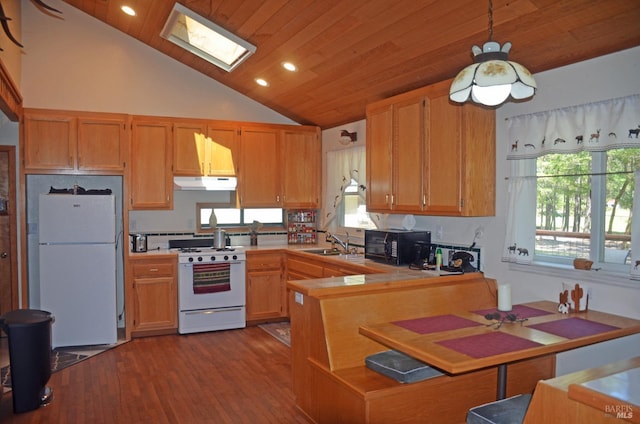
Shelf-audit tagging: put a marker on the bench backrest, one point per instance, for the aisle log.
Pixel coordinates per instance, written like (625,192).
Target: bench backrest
(343,316)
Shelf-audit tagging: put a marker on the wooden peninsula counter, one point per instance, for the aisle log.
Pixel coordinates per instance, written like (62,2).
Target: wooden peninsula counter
(330,380)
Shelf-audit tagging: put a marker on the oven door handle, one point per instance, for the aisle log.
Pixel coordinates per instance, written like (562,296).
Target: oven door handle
(191,264)
(212,311)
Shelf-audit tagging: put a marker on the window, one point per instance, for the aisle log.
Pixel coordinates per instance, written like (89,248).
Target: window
(205,39)
(584,205)
(352,212)
(572,191)
(235,217)
(345,201)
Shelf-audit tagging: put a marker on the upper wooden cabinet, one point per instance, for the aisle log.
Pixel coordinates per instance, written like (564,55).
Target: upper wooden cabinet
(205,148)
(301,168)
(379,159)
(74,142)
(259,179)
(151,179)
(394,160)
(428,156)
(223,149)
(280,166)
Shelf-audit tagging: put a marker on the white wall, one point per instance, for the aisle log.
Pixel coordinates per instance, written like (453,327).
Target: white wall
(606,77)
(76,62)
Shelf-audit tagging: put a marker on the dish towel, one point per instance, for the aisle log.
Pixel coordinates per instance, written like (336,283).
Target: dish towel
(211,278)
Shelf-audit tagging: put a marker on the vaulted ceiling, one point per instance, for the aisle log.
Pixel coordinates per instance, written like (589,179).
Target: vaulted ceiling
(352,52)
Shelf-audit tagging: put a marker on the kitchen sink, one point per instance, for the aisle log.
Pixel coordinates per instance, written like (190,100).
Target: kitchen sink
(324,252)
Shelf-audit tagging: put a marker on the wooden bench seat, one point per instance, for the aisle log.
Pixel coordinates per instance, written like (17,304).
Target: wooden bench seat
(332,384)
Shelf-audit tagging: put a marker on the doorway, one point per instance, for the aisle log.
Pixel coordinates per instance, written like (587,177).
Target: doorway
(8,228)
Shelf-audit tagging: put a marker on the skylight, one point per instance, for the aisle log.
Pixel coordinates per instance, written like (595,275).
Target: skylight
(205,39)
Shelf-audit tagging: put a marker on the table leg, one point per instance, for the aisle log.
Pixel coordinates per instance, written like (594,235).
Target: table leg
(502,381)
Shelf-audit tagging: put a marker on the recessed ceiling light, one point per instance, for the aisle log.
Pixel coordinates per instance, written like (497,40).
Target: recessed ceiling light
(262,82)
(128,10)
(205,39)
(289,66)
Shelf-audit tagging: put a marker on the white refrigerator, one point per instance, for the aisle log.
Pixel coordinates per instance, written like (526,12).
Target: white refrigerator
(77,249)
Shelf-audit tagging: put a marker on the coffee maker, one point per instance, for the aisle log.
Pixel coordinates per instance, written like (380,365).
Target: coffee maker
(423,253)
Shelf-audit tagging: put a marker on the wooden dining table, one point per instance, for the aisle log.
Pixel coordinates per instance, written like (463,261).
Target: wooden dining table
(464,341)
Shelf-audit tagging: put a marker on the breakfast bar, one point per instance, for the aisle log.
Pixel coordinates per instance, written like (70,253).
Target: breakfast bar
(331,381)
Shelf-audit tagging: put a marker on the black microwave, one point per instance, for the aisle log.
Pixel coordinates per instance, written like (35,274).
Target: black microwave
(394,247)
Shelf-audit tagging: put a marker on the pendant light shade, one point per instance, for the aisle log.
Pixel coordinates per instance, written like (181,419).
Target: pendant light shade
(492,78)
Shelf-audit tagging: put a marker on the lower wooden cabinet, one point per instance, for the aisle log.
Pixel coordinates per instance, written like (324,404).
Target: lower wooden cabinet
(301,267)
(155,298)
(266,292)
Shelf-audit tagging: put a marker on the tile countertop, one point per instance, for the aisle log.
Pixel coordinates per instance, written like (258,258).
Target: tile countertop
(382,275)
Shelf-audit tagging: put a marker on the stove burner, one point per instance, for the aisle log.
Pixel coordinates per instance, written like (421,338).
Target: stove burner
(189,250)
(225,249)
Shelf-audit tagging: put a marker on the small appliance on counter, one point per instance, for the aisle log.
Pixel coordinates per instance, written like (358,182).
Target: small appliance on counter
(138,243)
(394,247)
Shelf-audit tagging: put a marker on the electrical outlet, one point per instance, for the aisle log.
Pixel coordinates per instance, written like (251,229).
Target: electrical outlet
(479,233)
(438,232)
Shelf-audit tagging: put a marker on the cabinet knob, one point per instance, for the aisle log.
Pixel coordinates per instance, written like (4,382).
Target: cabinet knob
(3,255)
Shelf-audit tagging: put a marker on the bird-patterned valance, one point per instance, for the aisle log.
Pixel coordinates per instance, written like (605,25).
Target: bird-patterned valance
(599,126)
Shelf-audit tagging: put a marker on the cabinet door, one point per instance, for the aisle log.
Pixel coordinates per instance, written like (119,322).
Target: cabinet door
(189,156)
(443,161)
(379,159)
(265,298)
(408,147)
(49,142)
(223,150)
(151,182)
(102,144)
(260,171)
(302,157)
(155,303)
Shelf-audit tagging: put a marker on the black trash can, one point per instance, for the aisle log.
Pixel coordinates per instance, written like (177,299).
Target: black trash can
(29,333)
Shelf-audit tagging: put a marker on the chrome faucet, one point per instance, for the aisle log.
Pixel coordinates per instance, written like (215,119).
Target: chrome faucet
(334,239)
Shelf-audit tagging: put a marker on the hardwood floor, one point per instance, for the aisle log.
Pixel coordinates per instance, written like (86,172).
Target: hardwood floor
(234,376)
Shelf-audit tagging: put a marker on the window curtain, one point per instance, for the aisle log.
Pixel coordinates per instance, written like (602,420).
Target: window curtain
(635,229)
(520,234)
(599,126)
(342,166)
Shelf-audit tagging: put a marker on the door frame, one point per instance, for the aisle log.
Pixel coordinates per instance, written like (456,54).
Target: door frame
(13,223)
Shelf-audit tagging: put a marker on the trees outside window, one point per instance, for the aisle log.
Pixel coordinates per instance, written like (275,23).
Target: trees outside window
(584,204)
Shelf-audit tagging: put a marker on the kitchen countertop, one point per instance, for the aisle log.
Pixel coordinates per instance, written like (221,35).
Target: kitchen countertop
(382,275)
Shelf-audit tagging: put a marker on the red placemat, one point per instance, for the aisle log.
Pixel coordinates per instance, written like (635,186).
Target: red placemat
(436,323)
(573,328)
(488,344)
(520,310)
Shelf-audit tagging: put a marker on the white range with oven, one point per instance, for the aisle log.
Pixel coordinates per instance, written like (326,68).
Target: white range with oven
(211,289)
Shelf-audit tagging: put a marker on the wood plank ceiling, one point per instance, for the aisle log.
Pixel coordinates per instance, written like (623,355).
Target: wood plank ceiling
(352,52)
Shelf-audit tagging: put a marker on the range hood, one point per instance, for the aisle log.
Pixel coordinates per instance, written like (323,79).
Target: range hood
(205,183)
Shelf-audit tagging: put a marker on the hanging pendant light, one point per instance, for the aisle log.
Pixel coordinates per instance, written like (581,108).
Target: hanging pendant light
(492,78)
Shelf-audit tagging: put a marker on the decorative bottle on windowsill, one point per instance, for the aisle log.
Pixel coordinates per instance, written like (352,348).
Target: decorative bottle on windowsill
(213,220)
